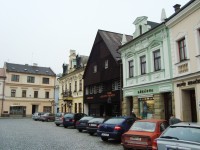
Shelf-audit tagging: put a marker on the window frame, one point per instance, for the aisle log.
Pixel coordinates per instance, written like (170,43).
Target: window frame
(95,69)
(157,59)
(35,94)
(15,78)
(45,80)
(24,93)
(106,64)
(80,85)
(47,94)
(143,64)
(13,92)
(75,86)
(30,79)
(182,49)
(130,69)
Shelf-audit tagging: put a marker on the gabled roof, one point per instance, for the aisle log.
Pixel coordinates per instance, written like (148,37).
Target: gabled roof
(2,73)
(113,41)
(152,24)
(28,69)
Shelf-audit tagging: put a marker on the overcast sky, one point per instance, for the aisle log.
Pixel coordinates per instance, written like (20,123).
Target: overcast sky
(43,31)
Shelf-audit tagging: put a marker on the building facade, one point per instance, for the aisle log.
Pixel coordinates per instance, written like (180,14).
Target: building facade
(102,84)
(2,85)
(28,89)
(184,30)
(147,74)
(71,84)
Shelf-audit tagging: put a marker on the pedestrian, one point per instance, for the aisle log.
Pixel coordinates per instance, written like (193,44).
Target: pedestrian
(173,120)
(133,114)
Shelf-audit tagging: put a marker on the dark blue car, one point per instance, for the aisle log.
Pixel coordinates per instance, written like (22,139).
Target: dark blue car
(70,119)
(114,127)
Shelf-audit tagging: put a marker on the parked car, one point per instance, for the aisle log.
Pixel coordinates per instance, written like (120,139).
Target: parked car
(82,123)
(47,117)
(71,118)
(142,133)
(115,127)
(93,124)
(59,118)
(36,115)
(183,136)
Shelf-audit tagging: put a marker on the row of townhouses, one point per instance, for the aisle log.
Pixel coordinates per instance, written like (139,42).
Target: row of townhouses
(155,72)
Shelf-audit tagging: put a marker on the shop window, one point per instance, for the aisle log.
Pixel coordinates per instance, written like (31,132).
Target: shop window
(146,108)
(47,109)
(182,49)
(131,67)
(157,60)
(143,64)
(15,78)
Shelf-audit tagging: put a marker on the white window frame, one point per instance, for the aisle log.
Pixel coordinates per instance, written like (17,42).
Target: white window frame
(106,64)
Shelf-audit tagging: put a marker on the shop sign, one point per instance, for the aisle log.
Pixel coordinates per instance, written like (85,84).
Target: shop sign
(188,83)
(108,94)
(145,91)
(16,104)
(90,97)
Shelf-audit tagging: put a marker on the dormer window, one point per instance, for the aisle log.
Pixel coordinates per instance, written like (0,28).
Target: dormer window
(95,68)
(140,28)
(106,64)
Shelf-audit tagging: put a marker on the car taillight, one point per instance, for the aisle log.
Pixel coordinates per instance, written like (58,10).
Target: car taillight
(154,145)
(117,128)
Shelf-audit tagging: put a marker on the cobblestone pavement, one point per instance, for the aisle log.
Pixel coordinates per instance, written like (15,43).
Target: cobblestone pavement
(26,134)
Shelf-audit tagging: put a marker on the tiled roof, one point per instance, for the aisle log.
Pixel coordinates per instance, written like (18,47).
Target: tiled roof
(29,69)
(113,41)
(2,73)
(152,24)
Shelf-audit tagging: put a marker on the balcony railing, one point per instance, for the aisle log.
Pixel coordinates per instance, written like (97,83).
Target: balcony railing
(67,94)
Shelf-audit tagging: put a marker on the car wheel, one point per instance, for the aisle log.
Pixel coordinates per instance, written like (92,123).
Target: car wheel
(91,133)
(80,130)
(57,124)
(65,126)
(126,148)
(104,138)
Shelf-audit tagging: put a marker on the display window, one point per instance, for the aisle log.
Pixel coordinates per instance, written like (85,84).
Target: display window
(146,108)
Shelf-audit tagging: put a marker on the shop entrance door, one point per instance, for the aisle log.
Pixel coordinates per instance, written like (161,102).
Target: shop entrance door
(168,105)
(193,106)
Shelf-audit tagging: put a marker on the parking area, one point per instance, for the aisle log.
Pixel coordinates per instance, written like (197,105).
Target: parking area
(26,134)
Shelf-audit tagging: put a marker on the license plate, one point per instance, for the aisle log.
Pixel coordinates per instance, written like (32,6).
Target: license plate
(135,138)
(93,125)
(104,134)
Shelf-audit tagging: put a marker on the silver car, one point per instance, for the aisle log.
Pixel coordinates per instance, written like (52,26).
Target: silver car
(36,116)
(181,136)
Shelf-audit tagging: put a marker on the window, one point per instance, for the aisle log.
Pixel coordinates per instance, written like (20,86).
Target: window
(70,87)
(13,93)
(47,109)
(75,108)
(15,78)
(182,49)
(35,94)
(46,94)
(130,65)
(30,79)
(140,29)
(75,86)
(100,88)
(95,68)
(86,91)
(157,60)
(106,64)
(143,64)
(115,85)
(23,93)
(45,81)
(91,89)
(95,89)
(80,85)
(80,107)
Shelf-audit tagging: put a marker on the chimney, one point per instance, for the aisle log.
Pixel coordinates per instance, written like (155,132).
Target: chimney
(177,7)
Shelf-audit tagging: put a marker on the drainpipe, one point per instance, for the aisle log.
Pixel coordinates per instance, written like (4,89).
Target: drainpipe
(3,98)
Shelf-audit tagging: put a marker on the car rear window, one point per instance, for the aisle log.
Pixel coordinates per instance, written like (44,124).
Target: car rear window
(97,120)
(143,126)
(59,115)
(69,115)
(86,118)
(183,133)
(114,120)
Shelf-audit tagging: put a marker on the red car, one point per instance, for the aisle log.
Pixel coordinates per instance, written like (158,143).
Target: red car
(142,133)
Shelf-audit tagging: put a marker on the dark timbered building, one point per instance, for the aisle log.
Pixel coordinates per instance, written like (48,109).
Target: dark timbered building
(102,84)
